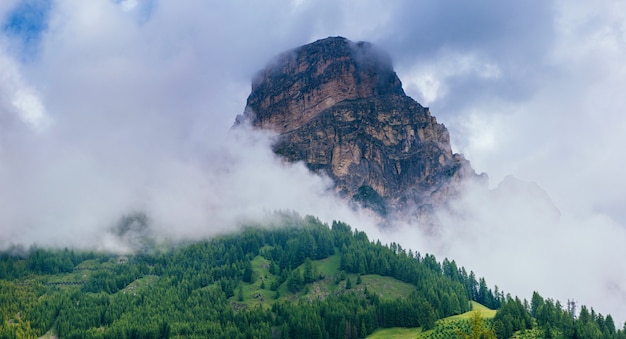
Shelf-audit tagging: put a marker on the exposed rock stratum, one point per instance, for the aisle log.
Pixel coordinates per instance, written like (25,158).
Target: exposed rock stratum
(339,107)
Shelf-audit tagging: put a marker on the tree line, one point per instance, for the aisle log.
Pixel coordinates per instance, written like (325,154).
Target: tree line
(196,290)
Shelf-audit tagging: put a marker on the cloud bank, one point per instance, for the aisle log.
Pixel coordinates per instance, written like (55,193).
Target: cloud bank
(112,107)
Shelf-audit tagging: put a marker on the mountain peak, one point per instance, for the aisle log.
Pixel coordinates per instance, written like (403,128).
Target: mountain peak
(339,107)
(299,84)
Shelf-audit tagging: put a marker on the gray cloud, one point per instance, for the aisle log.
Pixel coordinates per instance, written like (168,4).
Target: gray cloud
(480,50)
(127,105)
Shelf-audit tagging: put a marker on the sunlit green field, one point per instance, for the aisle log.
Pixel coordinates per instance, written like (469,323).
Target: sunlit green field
(413,333)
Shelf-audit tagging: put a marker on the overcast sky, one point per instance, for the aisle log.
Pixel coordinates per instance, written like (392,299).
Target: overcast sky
(109,107)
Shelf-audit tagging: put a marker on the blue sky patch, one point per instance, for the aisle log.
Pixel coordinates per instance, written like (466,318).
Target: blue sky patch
(26,22)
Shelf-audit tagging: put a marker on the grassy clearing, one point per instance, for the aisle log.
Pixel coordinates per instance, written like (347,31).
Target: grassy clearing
(386,287)
(253,294)
(448,327)
(329,266)
(485,312)
(260,265)
(140,284)
(396,333)
(444,327)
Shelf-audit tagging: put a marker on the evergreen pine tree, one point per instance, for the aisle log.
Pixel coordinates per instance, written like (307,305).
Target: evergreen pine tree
(240,293)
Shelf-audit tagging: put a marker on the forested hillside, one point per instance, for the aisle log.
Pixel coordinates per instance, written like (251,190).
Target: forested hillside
(303,279)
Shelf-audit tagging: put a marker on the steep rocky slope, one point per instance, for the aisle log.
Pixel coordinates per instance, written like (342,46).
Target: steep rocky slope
(339,107)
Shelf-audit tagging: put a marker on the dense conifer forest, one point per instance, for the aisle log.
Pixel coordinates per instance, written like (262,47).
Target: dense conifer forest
(302,279)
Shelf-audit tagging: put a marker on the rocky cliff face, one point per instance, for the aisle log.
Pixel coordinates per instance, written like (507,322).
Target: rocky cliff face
(339,107)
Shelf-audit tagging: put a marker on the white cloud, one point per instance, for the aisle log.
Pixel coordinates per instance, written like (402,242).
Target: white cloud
(430,81)
(30,108)
(129,5)
(18,100)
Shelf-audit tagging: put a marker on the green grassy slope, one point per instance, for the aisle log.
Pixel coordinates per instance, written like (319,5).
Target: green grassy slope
(439,331)
(259,293)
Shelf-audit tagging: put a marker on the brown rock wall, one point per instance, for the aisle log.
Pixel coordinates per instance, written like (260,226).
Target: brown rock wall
(339,107)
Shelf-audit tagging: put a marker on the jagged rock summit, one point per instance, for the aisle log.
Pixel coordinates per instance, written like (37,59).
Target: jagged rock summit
(339,107)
